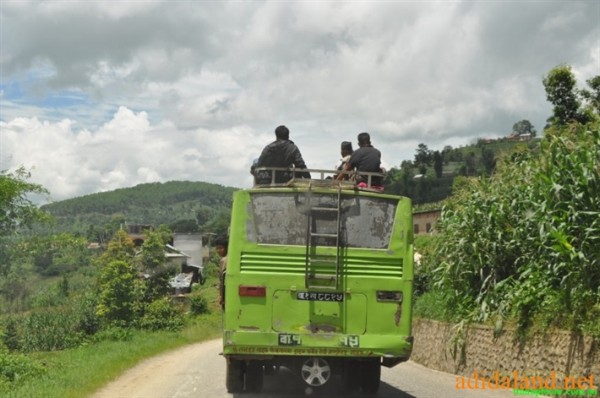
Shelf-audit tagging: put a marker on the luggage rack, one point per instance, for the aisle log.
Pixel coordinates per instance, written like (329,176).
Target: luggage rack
(326,178)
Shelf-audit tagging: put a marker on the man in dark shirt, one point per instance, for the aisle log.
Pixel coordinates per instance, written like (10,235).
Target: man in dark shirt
(366,158)
(280,153)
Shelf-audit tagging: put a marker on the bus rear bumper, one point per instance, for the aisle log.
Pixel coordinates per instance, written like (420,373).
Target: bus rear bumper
(393,349)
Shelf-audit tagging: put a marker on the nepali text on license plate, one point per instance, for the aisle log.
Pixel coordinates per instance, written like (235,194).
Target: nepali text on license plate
(316,296)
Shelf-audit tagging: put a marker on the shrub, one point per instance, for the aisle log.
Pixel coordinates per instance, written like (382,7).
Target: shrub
(161,314)
(88,319)
(10,337)
(198,304)
(15,367)
(50,330)
(114,333)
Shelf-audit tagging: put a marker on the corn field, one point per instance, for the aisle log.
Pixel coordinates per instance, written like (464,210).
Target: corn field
(524,244)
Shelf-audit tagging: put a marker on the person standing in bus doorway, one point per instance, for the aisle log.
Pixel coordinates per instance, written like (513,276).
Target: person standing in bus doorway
(280,153)
(346,152)
(221,248)
(365,158)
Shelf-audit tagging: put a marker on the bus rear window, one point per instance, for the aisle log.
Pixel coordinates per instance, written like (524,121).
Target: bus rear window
(283,218)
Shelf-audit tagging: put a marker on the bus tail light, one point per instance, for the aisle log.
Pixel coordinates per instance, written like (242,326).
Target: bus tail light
(389,296)
(252,291)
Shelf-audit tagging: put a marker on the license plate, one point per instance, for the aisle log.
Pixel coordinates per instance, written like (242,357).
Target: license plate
(289,339)
(315,296)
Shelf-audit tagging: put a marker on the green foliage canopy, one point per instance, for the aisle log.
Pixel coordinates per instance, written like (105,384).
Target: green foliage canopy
(524,127)
(16,209)
(560,85)
(117,296)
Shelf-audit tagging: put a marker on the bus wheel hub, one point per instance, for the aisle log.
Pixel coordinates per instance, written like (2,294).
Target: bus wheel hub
(315,371)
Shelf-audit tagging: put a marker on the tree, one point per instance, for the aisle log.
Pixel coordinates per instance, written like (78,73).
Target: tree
(560,85)
(438,164)
(119,248)
(423,155)
(219,223)
(447,153)
(470,164)
(153,252)
(204,214)
(489,161)
(165,233)
(524,127)
(592,97)
(16,209)
(117,296)
(185,225)
(58,253)
(153,262)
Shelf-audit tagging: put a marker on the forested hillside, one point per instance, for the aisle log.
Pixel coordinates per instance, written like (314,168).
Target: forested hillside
(183,205)
(430,176)
(187,206)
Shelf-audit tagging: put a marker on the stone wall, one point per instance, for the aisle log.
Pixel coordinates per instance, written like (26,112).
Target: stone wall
(447,348)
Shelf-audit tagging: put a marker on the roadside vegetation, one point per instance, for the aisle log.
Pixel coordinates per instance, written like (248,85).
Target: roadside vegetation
(66,335)
(518,243)
(523,245)
(50,358)
(78,372)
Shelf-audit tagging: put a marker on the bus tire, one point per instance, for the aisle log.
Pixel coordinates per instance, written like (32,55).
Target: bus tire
(234,378)
(254,376)
(351,376)
(370,377)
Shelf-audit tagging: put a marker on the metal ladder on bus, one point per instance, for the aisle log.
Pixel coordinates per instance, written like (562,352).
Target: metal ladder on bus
(329,276)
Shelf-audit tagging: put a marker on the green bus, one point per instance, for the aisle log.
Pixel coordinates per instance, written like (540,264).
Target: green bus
(319,280)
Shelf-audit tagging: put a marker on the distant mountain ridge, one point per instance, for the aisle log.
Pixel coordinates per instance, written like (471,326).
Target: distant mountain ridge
(151,203)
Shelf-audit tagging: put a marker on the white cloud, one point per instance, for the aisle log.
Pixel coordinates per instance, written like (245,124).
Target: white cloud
(182,90)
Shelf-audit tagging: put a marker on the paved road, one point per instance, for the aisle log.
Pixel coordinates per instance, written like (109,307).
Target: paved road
(198,371)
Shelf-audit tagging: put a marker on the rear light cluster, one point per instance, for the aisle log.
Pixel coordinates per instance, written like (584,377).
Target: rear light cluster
(252,291)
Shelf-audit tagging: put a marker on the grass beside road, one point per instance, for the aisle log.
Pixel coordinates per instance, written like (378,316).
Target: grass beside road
(79,372)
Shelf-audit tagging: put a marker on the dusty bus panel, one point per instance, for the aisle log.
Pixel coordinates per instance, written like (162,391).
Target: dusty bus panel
(319,280)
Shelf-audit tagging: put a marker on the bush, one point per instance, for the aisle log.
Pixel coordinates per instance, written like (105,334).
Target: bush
(10,337)
(198,304)
(88,319)
(50,330)
(161,314)
(429,306)
(114,333)
(15,367)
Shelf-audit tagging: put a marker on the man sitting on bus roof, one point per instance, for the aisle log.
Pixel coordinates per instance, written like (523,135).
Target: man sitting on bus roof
(280,153)
(367,159)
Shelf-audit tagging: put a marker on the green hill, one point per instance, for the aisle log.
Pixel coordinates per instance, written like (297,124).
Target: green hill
(188,206)
(430,176)
(183,205)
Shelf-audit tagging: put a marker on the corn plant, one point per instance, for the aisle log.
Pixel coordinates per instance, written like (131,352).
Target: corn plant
(526,242)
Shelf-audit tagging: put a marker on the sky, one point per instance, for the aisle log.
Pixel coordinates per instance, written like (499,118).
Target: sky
(101,95)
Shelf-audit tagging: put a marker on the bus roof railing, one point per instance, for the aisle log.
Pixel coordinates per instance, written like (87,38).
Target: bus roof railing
(293,177)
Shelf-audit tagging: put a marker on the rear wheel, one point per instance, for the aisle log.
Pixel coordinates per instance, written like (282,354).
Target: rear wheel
(254,377)
(315,372)
(370,377)
(351,376)
(234,378)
